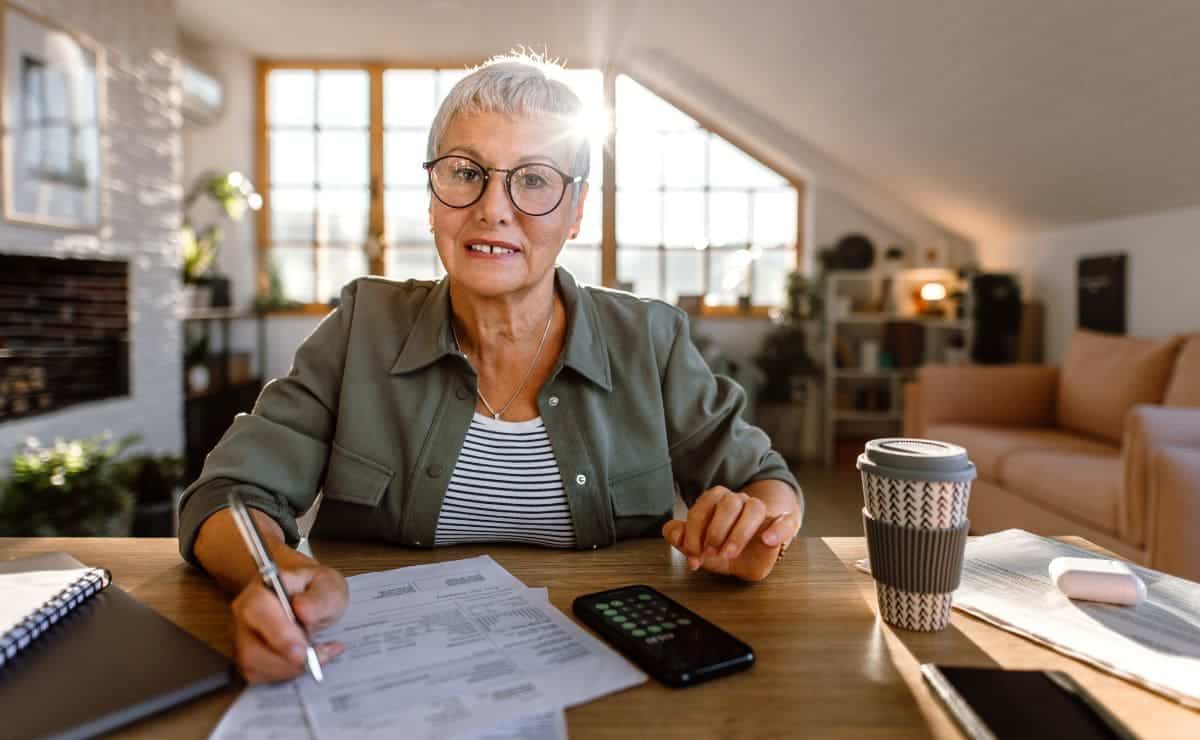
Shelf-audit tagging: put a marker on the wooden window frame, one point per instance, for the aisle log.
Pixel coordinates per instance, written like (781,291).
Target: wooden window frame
(375,260)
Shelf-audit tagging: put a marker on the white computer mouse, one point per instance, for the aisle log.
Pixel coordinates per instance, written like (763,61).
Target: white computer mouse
(1097,579)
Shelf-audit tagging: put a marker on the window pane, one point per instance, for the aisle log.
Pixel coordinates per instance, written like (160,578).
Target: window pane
(639,218)
(447,79)
(582,261)
(337,266)
(730,167)
(591,229)
(418,263)
(639,160)
(729,218)
(730,276)
(408,97)
(639,267)
(683,219)
(683,155)
(343,98)
(638,108)
(294,265)
(403,153)
(685,273)
(290,97)
(293,158)
(342,216)
(770,275)
(406,215)
(343,158)
(775,217)
(292,215)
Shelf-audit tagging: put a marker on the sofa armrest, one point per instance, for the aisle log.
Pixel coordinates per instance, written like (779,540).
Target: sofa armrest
(1149,429)
(1011,395)
(1174,484)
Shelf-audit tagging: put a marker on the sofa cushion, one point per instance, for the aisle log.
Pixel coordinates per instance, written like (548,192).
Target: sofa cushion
(1184,388)
(1103,376)
(1079,485)
(988,445)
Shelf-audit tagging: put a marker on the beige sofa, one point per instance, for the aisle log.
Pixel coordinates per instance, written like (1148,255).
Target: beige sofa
(1107,447)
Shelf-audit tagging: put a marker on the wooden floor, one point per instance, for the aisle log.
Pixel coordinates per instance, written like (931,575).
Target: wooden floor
(832,501)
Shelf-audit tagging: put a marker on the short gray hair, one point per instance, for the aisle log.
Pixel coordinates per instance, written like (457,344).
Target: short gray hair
(518,83)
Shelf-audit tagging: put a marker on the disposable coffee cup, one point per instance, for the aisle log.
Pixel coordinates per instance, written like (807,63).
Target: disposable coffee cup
(916,493)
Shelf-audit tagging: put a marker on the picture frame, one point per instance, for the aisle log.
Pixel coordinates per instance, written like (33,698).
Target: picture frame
(51,101)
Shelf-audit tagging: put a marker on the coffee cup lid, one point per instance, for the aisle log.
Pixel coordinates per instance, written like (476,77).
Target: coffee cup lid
(916,459)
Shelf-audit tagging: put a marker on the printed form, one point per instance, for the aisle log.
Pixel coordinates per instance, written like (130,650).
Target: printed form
(449,650)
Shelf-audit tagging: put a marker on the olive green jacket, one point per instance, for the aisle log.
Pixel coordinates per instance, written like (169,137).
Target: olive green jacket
(379,398)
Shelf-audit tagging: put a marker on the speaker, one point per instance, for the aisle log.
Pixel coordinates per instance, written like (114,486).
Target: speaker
(997,314)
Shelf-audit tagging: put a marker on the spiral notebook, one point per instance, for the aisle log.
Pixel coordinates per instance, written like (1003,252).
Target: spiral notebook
(82,657)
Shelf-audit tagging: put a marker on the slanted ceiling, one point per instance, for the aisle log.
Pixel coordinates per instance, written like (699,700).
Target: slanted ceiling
(990,117)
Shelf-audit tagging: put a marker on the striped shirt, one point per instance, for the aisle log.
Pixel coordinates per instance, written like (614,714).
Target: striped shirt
(506,488)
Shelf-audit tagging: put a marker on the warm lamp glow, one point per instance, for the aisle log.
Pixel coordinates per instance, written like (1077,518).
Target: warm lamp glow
(933,292)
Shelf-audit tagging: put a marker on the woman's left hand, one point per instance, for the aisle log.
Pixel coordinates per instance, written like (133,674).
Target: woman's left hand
(731,532)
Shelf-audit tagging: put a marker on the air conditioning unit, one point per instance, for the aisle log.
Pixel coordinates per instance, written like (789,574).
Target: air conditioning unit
(203,95)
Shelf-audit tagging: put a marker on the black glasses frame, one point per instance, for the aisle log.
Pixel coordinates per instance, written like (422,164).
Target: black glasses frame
(568,181)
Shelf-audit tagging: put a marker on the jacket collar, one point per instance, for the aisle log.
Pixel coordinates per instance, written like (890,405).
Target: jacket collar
(585,350)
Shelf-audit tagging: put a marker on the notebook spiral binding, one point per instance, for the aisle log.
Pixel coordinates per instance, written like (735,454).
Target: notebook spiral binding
(58,606)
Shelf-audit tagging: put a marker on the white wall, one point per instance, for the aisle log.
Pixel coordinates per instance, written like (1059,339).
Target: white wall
(140,200)
(1163,271)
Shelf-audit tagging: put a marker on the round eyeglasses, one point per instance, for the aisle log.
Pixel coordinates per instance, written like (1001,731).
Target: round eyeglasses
(534,189)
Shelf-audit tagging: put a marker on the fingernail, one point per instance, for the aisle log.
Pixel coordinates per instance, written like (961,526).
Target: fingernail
(730,551)
(771,538)
(296,652)
(693,563)
(710,552)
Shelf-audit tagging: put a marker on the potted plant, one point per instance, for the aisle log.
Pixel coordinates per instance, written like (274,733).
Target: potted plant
(154,481)
(235,195)
(71,489)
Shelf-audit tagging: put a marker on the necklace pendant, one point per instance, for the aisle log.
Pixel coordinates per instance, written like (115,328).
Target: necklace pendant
(496,417)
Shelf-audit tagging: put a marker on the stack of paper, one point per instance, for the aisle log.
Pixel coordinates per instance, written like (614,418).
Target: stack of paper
(450,650)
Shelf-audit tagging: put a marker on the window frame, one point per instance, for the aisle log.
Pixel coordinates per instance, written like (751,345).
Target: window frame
(374,245)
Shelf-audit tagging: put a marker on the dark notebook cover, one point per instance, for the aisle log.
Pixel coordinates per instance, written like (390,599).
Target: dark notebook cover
(108,662)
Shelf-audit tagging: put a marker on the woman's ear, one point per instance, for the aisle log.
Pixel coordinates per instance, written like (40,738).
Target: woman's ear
(577,216)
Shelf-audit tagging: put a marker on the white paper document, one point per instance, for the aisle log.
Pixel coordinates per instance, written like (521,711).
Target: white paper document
(449,650)
(22,594)
(1156,643)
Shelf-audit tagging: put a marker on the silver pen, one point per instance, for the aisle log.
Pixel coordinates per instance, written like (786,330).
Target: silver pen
(270,573)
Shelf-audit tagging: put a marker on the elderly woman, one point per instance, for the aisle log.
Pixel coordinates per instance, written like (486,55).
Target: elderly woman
(503,403)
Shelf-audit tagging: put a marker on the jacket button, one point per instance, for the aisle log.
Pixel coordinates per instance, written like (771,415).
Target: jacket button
(580,479)
(434,470)
(553,400)
(462,393)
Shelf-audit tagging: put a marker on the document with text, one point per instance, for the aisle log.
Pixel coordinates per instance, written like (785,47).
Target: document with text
(449,650)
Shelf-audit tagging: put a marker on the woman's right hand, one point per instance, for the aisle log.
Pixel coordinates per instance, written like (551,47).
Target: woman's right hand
(268,646)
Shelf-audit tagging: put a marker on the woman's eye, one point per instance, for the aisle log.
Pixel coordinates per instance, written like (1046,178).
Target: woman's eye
(466,174)
(531,181)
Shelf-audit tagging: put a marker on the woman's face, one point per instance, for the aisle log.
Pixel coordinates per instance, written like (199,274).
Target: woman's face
(498,140)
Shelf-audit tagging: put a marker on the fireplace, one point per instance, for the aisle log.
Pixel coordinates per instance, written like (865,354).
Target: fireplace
(64,333)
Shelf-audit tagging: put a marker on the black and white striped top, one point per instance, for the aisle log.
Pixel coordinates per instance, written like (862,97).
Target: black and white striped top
(506,488)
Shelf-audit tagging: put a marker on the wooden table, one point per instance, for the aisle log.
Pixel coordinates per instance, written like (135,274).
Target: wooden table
(826,666)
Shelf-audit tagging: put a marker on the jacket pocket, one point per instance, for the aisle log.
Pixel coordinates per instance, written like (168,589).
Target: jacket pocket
(642,501)
(354,479)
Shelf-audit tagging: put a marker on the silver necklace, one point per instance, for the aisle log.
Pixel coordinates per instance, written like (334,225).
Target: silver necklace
(528,373)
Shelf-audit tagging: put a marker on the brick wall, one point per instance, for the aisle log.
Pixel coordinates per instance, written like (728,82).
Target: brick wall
(140,218)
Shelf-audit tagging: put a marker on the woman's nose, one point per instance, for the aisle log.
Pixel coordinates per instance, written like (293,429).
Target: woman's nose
(494,206)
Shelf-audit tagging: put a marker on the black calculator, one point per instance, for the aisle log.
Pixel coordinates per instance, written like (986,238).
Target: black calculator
(668,641)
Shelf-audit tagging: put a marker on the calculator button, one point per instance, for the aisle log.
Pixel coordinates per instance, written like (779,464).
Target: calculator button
(628,626)
(639,633)
(654,628)
(668,625)
(602,605)
(645,597)
(610,612)
(684,621)
(618,619)
(617,602)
